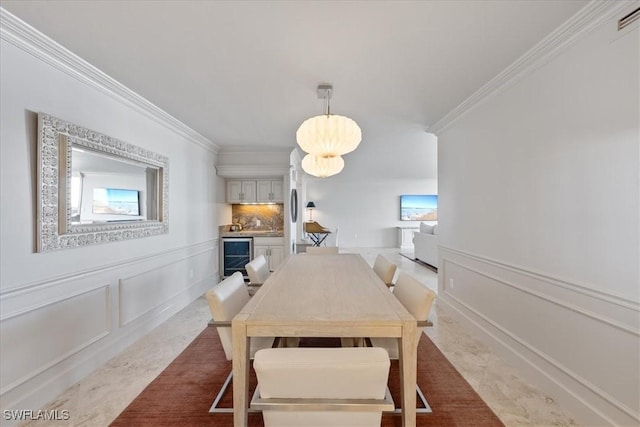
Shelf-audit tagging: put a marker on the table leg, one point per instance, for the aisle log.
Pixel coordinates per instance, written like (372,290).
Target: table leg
(408,373)
(240,372)
(321,239)
(314,239)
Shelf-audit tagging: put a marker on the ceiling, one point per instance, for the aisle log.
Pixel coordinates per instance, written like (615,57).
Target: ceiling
(244,73)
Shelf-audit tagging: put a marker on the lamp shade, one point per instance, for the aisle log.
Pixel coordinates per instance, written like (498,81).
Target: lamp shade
(311,205)
(329,135)
(322,166)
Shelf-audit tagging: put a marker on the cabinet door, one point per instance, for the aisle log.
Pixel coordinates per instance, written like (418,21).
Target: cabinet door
(261,250)
(234,191)
(277,256)
(248,191)
(277,191)
(264,192)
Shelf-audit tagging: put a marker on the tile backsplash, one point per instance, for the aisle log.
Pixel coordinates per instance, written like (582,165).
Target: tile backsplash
(258,217)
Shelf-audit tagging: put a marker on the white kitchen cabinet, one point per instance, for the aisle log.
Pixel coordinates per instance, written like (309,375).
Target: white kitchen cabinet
(270,191)
(241,191)
(276,256)
(272,248)
(277,189)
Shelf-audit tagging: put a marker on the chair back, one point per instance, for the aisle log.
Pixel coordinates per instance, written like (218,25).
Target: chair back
(416,298)
(322,250)
(226,299)
(258,270)
(385,269)
(334,375)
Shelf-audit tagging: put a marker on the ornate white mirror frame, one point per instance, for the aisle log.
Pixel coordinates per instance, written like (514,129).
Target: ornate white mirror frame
(55,228)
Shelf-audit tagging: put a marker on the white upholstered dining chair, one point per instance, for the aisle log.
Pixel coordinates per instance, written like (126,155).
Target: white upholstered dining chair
(322,250)
(301,387)
(226,299)
(385,269)
(418,300)
(258,271)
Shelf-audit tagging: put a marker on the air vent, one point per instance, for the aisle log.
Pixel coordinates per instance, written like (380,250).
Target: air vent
(630,18)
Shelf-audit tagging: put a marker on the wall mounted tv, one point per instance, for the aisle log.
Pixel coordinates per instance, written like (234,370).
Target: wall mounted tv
(422,207)
(116,201)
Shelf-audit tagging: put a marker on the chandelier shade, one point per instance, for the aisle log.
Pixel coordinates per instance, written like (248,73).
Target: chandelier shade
(329,135)
(322,167)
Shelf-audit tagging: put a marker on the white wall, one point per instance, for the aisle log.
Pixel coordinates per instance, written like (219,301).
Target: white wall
(253,162)
(363,201)
(539,224)
(66,312)
(366,212)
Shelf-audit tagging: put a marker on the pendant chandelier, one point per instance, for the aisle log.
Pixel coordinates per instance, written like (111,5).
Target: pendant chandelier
(326,138)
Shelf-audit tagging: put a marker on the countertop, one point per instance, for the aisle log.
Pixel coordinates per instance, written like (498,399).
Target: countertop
(252,233)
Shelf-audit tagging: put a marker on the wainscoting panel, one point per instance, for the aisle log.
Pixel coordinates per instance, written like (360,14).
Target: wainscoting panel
(36,340)
(55,332)
(584,342)
(153,288)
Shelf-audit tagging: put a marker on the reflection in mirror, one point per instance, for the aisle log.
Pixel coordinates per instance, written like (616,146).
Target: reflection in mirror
(107,189)
(96,189)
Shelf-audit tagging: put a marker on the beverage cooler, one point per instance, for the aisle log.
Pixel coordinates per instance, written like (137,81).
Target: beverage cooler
(235,253)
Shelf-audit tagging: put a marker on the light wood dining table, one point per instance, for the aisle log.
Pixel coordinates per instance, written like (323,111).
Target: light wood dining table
(324,296)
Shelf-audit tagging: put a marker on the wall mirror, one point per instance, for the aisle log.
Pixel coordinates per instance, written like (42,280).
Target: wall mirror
(96,189)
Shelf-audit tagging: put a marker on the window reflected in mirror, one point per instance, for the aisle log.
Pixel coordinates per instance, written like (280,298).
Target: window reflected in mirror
(108,189)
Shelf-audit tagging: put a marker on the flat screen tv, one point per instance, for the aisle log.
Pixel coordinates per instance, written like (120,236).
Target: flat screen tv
(423,207)
(116,201)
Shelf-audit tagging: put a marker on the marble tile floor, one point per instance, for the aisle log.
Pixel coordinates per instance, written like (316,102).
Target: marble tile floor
(100,397)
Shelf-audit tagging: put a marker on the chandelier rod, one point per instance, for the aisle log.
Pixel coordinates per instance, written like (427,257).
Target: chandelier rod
(324,91)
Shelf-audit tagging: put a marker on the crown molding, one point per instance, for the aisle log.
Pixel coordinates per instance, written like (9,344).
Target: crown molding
(254,149)
(590,16)
(32,41)
(251,171)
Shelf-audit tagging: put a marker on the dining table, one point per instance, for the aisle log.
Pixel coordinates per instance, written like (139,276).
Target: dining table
(324,296)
